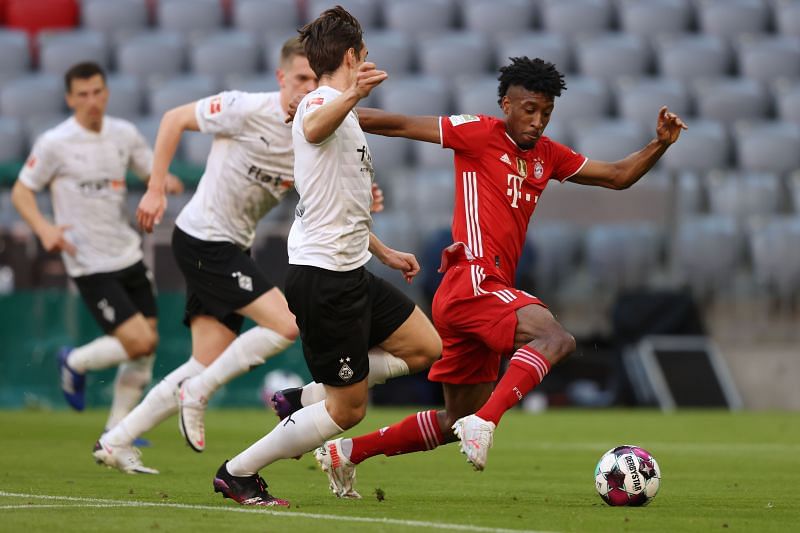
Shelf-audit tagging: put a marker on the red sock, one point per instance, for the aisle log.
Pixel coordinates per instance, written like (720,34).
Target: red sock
(415,433)
(526,370)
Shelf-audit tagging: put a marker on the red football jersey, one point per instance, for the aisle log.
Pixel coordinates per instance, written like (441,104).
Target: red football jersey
(498,185)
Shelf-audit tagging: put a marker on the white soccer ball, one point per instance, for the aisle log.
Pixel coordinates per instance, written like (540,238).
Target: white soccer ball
(627,475)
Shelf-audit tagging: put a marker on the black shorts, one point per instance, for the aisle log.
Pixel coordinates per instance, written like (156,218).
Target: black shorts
(114,297)
(220,278)
(341,315)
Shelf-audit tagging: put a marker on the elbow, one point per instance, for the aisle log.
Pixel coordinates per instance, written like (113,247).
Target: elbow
(621,185)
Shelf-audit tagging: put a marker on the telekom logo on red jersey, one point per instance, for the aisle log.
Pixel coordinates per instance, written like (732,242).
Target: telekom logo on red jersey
(514,190)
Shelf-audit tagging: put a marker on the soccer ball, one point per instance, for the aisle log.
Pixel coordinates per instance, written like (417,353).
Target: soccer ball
(627,475)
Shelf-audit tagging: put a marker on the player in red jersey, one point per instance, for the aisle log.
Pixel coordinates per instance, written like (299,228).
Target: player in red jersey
(501,169)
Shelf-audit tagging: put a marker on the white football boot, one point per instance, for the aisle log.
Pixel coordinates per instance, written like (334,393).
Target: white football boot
(126,459)
(341,472)
(475,434)
(191,417)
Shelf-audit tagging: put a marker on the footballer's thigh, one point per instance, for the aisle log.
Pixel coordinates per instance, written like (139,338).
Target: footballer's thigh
(415,341)
(271,310)
(138,335)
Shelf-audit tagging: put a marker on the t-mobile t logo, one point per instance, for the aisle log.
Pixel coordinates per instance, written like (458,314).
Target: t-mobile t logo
(515,189)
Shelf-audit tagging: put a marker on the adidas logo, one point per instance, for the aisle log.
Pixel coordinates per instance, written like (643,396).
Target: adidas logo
(505,159)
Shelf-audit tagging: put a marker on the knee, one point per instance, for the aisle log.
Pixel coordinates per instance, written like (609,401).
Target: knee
(142,344)
(290,331)
(562,344)
(347,416)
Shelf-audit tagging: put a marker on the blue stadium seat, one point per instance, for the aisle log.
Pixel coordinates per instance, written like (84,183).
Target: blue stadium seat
(707,253)
(273,43)
(224,53)
(389,153)
(189,17)
(551,47)
(491,17)
(151,55)
(125,96)
(148,127)
(414,16)
(729,18)
(39,94)
(34,125)
(744,195)
(768,146)
(688,56)
(432,156)
(704,146)
(787,18)
(787,101)
(12,140)
(775,248)
(609,56)
(609,140)
(391,51)
(179,91)
(450,54)
(265,16)
(112,17)
(557,247)
(584,99)
(414,95)
(59,50)
(640,99)
(15,59)
(366,11)
(254,83)
(623,256)
(769,58)
(573,17)
(730,99)
(195,147)
(477,96)
(655,16)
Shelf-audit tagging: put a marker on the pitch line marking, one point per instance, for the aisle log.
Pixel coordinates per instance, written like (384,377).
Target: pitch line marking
(107,503)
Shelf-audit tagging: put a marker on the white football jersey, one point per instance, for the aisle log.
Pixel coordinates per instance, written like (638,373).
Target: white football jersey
(249,168)
(86,174)
(334,179)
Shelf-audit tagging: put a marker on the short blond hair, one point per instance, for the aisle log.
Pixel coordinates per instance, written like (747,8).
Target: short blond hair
(291,48)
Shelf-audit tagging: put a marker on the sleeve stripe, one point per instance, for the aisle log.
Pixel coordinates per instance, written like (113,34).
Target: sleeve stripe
(441,138)
(585,160)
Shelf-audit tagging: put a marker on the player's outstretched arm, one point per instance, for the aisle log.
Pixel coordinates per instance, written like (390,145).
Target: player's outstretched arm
(154,202)
(51,236)
(418,128)
(405,262)
(625,172)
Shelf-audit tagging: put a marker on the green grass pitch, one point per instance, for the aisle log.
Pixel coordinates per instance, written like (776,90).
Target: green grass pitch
(721,472)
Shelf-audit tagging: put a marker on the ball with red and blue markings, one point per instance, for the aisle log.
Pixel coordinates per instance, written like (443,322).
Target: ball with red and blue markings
(627,475)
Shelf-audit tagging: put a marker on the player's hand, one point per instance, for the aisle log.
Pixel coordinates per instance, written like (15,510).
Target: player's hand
(292,111)
(402,261)
(173,185)
(377,199)
(669,126)
(53,239)
(368,78)
(151,209)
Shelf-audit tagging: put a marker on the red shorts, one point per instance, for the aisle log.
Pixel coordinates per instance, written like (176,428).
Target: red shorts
(475,315)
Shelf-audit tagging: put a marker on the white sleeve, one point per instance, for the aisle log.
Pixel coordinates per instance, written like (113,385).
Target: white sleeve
(41,166)
(225,113)
(141,159)
(308,105)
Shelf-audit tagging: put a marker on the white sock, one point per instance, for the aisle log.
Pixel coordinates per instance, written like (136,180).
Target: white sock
(159,403)
(103,352)
(248,350)
(382,366)
(295,435)
(133,376)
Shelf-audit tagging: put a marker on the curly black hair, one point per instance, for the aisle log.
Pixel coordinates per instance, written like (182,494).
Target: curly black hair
(535,75)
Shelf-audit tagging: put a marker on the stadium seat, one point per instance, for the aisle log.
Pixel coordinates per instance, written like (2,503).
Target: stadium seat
(730,99)
(125,96)
(452,54)
(265,16)
(612,55)
(557,247)
(551,47)
(391,51)
(787,101)
(744,195)
(151,55)
(414,95)
(768,146)
(775,249)
(687,57)
(640,99)
(432,156)
(432,194)
(366,11)
(707,253)
(729,18)
(34,125)
(195,147)
(189,17)
(655,16)
(623,256)
(689,194)
(15,59)
(769,58)
(787,18)
(490,17)
(414,16)
(113,17)
(704,146)
(794,187)
(254,83)
(12,140)
(35,15)
(477,96)
(609,140)
(224,53)
(271,51)
(573,17)
(148,127)
(389,153)
(179,91)
(39,94)
(60,50)
(585,99)
(557,130)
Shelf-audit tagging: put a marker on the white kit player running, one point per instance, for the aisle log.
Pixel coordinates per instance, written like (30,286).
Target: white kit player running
(83,161)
